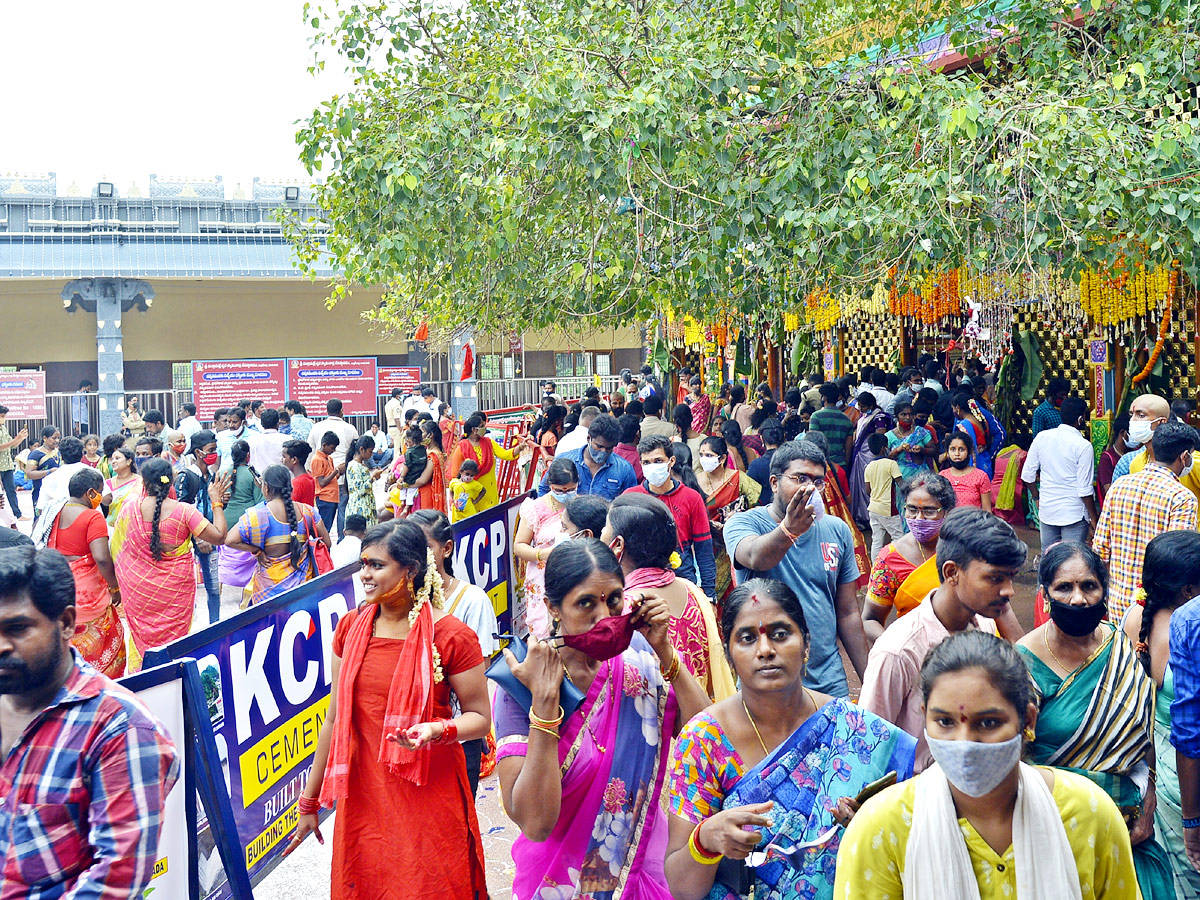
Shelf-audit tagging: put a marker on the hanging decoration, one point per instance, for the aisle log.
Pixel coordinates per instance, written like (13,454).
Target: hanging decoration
(1164,329)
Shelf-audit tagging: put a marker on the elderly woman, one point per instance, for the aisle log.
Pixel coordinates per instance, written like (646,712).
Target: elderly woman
(773,767)
(1096,700)
(981,823)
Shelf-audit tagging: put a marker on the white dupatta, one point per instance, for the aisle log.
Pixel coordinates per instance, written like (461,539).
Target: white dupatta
(937,864)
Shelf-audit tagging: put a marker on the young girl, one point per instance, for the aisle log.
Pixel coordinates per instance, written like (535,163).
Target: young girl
(91,451)
(465,491)
(971,485)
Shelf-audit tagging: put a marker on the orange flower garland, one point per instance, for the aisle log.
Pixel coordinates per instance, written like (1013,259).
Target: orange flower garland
(1158,345)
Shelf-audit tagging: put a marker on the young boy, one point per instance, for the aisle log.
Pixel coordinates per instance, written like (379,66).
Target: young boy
(464,491)
(881,475)
(326,474)
(304,486)
(415,459)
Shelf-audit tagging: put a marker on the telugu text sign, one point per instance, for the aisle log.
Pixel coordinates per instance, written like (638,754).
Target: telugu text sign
(24,393)
(266,674)
(218,383)
(407,378)
(349,379)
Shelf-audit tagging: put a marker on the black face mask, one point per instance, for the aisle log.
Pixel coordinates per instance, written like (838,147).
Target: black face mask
(1077,621)
(961,463)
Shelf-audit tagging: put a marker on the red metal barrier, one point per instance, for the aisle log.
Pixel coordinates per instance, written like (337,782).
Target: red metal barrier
(508,473)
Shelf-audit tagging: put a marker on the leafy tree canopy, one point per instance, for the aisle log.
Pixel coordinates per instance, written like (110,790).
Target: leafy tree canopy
(524,164)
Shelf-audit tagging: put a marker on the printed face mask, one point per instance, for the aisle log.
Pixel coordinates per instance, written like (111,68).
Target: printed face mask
(975,768)
(607,638)
(1077,621)
(657,473)
(924,530)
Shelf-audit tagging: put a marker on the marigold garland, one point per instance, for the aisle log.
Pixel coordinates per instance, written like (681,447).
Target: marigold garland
(1158,345)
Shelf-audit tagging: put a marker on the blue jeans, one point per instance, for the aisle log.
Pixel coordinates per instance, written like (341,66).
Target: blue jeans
(379,460)
(208,563)
(10,492)
(327,509)
(1052,534)
(343,500)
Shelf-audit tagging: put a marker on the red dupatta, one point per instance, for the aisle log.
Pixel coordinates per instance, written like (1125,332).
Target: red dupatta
(485,457)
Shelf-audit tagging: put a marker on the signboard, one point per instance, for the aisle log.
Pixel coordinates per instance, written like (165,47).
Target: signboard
(483,556)
(24,393)
(266,677)
(218,383)
(350,379)
(407,378)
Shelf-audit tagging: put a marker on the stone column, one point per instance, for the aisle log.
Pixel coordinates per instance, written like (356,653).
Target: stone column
(465,393)
(109,299)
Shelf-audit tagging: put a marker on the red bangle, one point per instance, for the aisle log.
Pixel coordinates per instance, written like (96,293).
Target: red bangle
(449,732)
(308,806)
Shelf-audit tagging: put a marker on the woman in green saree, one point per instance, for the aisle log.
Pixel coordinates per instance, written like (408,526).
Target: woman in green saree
(1097,702)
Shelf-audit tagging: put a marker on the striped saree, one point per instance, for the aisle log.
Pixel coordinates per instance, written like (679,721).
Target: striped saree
(1099,722)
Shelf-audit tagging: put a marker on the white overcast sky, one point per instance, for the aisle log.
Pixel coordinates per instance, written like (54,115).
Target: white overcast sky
(118,90)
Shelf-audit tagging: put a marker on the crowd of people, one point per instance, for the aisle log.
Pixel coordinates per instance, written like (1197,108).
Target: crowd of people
(706,582)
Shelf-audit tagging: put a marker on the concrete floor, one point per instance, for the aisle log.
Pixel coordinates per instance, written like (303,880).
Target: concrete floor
(305,874)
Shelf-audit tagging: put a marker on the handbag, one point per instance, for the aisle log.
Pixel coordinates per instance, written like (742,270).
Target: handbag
(322,561)
(570,697)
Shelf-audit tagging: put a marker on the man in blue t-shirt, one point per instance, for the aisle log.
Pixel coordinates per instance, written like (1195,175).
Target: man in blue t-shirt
(793,541)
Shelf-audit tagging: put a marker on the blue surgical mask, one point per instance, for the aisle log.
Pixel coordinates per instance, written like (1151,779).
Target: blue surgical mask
(565,497)
(138,460)
(599,457)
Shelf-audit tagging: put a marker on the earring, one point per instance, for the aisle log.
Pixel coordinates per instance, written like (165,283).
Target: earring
(1029,735)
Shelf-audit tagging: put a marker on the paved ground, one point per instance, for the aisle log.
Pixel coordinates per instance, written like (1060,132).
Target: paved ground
(305,875)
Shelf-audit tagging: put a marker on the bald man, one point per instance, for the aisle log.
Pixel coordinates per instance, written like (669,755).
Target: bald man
(1146,413)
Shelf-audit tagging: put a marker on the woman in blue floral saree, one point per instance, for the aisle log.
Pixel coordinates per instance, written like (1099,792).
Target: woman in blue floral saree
(762,783)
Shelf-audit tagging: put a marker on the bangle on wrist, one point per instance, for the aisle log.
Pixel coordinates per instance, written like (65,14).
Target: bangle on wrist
(699,854)
(533,726)
(308,806)
(671,672)
(535,719)
(449,733)
(1192,823)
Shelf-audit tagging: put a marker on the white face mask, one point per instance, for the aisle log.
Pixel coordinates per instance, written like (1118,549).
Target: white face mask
(707,463)
(561,538)
(1140,431)
(657,473)
(1187,470)
(975,768)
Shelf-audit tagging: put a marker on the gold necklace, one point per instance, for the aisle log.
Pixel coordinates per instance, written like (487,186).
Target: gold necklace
(762,743)
(1046,641)
(586,723)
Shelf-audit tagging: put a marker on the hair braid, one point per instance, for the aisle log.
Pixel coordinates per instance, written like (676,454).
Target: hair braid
(285,494)
(155,536)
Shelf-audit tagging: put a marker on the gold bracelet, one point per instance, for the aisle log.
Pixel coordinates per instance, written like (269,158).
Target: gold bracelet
(671,672)
(544,730)
(535,719)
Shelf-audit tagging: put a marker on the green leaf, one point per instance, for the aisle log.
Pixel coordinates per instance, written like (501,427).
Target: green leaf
(410,181)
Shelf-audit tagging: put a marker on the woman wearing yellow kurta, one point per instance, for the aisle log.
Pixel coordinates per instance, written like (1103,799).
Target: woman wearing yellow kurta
(478,446)
(979,823)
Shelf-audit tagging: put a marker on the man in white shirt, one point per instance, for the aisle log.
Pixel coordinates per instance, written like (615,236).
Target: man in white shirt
(237,431)
(346,433)
(189,424)
(347,550)
(577,436)
(383,454)
(428,403)
(1064,459)
(393,415)
(268,449)
(54,485)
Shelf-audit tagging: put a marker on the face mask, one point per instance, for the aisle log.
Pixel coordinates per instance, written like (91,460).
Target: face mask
(95,501)
(599,457)
(139,461)
(607,638)
(817,502)
(707,463)
(657,473)
(1077,621)
(963,463)
(924,530)
(1187,470)
(1130,444)
(209,459)
(561,538)
(975,768)
(1140,431)
(565,497)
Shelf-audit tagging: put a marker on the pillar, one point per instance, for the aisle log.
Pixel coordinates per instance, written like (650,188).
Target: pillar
(464,391)
(109,299)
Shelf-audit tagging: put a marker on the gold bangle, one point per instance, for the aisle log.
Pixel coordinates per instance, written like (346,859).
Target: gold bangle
(544,730)
(671,672)
(535,719)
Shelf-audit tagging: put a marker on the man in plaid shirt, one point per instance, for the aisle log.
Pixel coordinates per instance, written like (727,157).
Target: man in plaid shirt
(1141,506)
(84,768)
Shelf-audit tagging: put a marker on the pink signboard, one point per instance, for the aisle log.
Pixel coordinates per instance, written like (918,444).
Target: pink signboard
(351,380)
(223,382)
(24,393)
(407,378)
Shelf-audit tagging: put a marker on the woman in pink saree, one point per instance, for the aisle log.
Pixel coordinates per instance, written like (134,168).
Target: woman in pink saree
(152,548)
(586,790)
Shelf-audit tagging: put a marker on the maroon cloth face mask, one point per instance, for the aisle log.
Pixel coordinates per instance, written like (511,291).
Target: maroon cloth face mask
(607,638)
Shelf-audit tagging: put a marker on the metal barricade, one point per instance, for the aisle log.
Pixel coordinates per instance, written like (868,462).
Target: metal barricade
(516,392)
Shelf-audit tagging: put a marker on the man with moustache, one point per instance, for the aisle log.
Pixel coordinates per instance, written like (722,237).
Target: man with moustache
(86,768)
(978,555)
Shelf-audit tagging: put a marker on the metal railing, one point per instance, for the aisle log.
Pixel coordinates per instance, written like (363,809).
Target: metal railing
(59,411)
(513,392)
